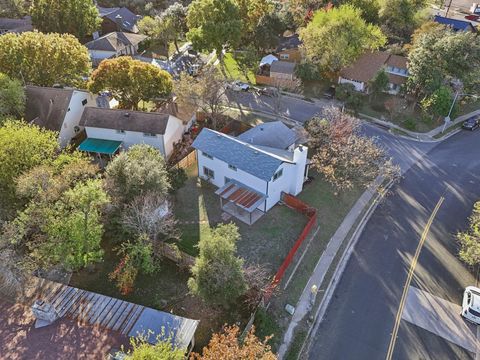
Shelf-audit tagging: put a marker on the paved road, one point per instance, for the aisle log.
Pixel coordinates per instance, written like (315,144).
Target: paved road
(360,319)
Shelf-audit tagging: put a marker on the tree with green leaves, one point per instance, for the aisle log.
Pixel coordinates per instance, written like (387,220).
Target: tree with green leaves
(158,30)
(434,61)
(77,17)
(141,349)
(44,59)
(217,275)
(131,81)
(336,38)
(470,240)
(370,9)
(12,97)
(138,171)
(214,25)
(439,103)
(266,34)
(12,8)
(22,147)
(176,17)
(378,84)
(399,18)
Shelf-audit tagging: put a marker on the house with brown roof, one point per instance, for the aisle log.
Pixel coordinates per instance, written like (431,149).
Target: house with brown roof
(289,48)
(362,71)
(57,109)
(109,130)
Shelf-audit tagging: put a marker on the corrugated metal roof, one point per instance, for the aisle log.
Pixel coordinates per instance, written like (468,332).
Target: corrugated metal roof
(115,314)
(246,157)
(455,24)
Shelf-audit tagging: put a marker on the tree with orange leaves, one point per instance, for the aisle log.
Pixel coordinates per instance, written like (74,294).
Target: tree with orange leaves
(227,346)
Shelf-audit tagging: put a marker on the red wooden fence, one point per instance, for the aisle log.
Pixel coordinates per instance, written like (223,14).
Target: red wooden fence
(311,213)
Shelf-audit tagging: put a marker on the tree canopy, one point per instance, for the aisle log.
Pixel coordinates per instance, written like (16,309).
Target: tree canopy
(399,18)
(138,171)
(12,97)
(131,81)
(470,240)
(141,349)
(44,59)
(22,147)
(214,24)
(76,17)
(227,345)
(434,61)
(336,38)
(217,275)
(342,155)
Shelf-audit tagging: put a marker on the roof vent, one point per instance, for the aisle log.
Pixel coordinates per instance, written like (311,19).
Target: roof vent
(256,152)
(126,114)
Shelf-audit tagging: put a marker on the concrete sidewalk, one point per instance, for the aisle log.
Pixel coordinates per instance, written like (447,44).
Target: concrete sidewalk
(306,300)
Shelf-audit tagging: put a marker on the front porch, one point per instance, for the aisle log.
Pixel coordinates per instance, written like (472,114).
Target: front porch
(241,202)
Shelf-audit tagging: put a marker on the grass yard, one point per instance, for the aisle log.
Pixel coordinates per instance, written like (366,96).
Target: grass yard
(267,241)
(332,209)
(233,70)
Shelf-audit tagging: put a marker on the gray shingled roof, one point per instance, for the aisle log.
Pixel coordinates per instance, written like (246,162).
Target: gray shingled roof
(128,18)
(46,106)
(272,134)
(253,160)
(283,67)
(115,41)
(139,121)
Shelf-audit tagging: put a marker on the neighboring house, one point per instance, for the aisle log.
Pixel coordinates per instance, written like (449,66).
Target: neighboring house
(88,325)
(276,73)
(57,109)
(455,24)
(118,19)
(15,25)
(252,170)
(122,128)
(289,49)
(283,70)
(369,64)
(114,45)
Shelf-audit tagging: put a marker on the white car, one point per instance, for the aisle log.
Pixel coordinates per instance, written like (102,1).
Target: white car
(471,304)
(238,86)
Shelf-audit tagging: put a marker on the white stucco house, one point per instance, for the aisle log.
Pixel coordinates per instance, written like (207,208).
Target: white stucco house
(113,45)
(252,170)
(108,130)
(369,64)
(57,109)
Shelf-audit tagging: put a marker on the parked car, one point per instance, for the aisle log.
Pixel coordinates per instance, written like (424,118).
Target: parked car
(472,17)
(472,123)
(237,85)
(471,304)
(267,91)
(329,93)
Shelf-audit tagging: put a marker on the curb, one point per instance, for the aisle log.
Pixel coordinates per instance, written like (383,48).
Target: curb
(342,264)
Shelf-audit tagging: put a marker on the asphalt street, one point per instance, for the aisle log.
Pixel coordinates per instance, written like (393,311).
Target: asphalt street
(359,321)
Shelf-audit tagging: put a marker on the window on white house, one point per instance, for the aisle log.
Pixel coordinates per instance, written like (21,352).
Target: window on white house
(207,156)
(149,135)
(232,167)
(277,174)
(84,102)
(209,173)
(120,131)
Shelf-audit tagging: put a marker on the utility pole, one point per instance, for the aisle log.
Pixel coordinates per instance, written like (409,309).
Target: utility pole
(448,8)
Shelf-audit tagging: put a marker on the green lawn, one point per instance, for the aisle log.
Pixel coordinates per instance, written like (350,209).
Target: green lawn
(233,71)
(265,242)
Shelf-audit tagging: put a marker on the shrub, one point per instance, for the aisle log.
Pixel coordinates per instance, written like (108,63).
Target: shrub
(177,178)
(410,124)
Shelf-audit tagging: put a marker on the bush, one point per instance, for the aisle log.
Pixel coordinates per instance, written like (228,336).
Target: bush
(410,124)
(177,178)
(343,91)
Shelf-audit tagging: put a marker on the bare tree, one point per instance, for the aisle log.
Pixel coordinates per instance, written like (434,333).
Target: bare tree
(151,214)
(345,157)
(205,92)
(258,279)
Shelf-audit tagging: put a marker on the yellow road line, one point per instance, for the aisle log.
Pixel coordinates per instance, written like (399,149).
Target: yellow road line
(411,271)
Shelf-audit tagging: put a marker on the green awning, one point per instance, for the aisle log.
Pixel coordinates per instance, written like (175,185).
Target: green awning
(100,146)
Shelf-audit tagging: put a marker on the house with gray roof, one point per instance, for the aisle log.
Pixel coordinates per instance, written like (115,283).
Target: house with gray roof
(57,109)
(109,130)
(118,19)
(252,170)
(113,45)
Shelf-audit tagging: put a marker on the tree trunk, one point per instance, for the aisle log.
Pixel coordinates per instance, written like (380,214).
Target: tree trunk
(176,45)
